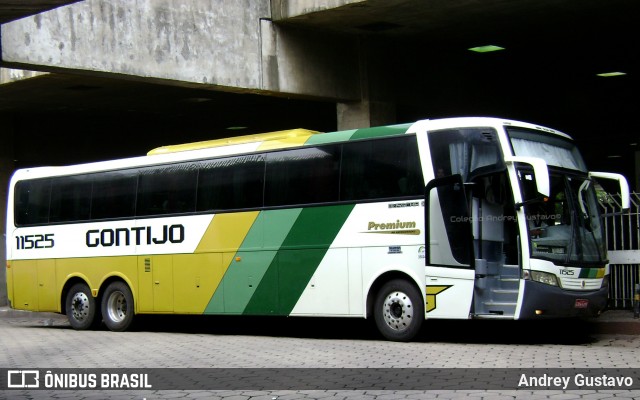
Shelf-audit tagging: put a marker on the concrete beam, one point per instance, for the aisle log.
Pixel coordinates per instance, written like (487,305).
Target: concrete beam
(197,41)
(309,63)
(223,44)
(284,9)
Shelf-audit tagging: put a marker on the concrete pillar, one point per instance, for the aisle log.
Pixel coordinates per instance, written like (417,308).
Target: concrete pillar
(6,169)
(374,107)
(365,114)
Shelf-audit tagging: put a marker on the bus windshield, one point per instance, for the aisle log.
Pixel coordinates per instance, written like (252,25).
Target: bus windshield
(566,228)
(555,150)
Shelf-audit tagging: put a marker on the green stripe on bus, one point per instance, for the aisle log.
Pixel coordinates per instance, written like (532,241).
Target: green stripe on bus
(591,273)
(331,137)
(256,253)
(379,131)
(295,263)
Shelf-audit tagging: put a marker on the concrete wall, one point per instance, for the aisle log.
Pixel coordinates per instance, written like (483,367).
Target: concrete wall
(282,9)
(221,44)
(327,69)
(6,169)
(198,41)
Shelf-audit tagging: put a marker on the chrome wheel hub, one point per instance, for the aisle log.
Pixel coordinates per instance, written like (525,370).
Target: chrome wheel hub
(80,306)
(117,307)
(398,311)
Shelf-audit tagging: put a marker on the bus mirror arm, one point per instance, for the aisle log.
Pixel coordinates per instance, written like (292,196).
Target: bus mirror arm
(540,170)
(622,181)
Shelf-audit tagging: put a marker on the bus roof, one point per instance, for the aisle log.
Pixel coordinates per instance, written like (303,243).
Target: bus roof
(286,138)
(277,136)
(268,141)
(299,137)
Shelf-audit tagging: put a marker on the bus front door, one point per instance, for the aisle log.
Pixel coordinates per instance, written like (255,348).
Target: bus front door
(449,254)
(495,246)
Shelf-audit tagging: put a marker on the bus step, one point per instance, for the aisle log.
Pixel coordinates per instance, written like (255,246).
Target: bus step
(491,316)
(499,304)
(499,307)
(503,296)
(505,291)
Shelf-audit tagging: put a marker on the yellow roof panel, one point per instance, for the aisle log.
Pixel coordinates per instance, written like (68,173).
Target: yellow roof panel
(276,139)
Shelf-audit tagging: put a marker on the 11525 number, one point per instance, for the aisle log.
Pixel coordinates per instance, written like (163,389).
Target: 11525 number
(27,242)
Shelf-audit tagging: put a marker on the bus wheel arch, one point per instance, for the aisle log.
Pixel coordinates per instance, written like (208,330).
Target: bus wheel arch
(397,306)
(79,305)
(117,305)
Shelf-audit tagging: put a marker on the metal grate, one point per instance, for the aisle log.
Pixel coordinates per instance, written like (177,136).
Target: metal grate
(623,243)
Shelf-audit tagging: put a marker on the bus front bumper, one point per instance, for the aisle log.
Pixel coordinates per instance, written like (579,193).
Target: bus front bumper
(545,301)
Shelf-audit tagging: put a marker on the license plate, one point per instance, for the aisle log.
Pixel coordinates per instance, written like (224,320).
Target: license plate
(581,303)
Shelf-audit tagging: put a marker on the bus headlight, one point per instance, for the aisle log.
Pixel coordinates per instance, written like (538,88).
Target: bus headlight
(542,277)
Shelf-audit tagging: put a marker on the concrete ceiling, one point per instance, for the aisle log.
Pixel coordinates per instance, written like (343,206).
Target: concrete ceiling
(547,73)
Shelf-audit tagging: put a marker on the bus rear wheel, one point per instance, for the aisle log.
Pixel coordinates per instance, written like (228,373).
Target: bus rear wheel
(81,307)
(399,310)
(117,307)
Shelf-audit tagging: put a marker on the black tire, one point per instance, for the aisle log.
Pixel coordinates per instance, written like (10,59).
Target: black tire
(399,310)
(81,307)
(117,307)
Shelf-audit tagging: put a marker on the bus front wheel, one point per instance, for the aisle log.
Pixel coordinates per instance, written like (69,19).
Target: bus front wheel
(81,307)
(117,307)
(399,310)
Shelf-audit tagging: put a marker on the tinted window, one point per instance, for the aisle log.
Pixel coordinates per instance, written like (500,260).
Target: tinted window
(381,168)
(167,190)
(70,199)
(454,208)
(231,183)
(468,152)
(32,202)
(302,176)
(114,195)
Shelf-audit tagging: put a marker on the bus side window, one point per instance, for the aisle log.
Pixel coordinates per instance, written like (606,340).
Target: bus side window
(382,168)
(230,183)
(70,199)
(302,176)
(114,195)
(167,190)
(32,202)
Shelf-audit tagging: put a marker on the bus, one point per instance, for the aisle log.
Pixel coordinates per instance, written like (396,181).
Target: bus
(455,218)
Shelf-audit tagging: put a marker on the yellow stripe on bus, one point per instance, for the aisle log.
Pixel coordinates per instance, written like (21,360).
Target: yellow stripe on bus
(272,140)
(189,291)
(226,232)
(298,137)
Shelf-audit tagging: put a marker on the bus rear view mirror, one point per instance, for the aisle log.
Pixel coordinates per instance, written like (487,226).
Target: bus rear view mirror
(622,181)
(540,171)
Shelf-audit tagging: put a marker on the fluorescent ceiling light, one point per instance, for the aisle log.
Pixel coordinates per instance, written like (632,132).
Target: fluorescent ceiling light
(610,74)
(235,128)
(486,49)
